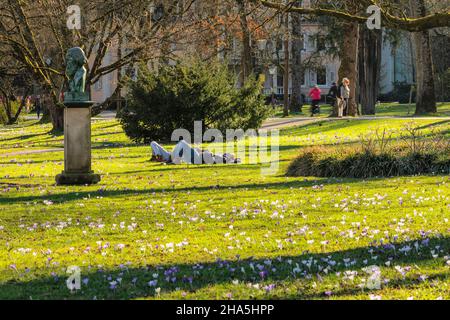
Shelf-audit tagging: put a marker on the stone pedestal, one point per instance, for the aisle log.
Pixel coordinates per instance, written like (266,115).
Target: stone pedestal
(77,146)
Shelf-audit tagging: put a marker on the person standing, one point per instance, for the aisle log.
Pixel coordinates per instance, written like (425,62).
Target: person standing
(345,95)
(37,106)
(315,95)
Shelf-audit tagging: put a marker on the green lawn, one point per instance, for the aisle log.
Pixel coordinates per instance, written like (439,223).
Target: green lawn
(205,232)
(383,110)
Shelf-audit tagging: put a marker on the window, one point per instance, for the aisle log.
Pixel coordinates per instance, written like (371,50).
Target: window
(303,80)
(321,75)
(99,84)
(312,78)
(311,43)
(279,46)
(280,79)
(321,43)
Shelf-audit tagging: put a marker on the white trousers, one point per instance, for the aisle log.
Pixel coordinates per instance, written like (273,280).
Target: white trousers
(158,150)
(183,151)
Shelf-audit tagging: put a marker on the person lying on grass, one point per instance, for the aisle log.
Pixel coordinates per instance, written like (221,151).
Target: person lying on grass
(184,152)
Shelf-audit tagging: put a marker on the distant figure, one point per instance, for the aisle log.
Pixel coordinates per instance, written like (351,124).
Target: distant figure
(184,152)
(37,106)
(28,104)
(274,101)
(315,95)
(345,95)
(333,94)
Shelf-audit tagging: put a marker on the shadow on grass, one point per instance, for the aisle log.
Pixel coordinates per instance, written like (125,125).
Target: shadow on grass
(24,137)
(194,276)
(77,195)
(434,124)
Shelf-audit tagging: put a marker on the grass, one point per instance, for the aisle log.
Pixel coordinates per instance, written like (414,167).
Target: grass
(391,109)
(150,231)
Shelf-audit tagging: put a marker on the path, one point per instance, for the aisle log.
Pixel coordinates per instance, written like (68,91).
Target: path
(281,123)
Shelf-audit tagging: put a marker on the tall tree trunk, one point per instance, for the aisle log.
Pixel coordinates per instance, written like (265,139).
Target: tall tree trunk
(10,117)
(7,105)
(425,86)
(286,67)
(57,117)
(349,63)
(246,55)
(370,43)
(119,76)
(297,70)
(56,112)
(19,110)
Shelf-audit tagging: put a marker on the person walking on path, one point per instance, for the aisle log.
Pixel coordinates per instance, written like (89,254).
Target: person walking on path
(316,95)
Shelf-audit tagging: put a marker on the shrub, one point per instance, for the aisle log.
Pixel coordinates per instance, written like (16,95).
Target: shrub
(377,155)
(400,94)
(190,91)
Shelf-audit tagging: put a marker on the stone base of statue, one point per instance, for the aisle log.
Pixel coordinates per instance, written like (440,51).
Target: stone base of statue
(72,179)
(77,141)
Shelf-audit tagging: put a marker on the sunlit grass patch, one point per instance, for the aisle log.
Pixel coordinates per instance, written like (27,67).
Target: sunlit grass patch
(205,232)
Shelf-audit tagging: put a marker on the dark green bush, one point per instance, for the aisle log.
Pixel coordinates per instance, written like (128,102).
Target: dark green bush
(179,95)
(400,94)
(367,165)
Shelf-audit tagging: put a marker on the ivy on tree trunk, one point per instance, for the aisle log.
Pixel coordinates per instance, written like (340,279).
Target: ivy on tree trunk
(370,45)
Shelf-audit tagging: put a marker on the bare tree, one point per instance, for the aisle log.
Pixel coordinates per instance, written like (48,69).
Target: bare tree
(36,33)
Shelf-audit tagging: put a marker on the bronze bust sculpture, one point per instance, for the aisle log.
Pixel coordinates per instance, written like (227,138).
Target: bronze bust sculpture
(76,73)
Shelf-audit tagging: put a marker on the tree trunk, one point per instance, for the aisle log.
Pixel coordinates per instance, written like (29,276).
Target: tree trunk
(426,95)
(349,63)
(118,93)
(297,70)
(7,105)
(10,117)
(425,86)
(56,115)
(370,43)
(13,120)
(246,55)
(286,67)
